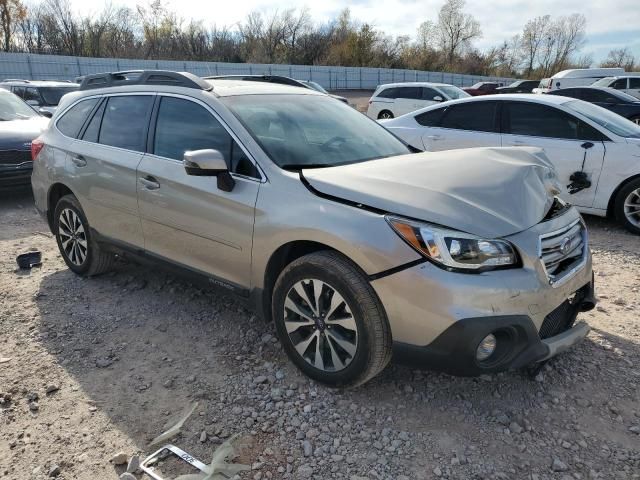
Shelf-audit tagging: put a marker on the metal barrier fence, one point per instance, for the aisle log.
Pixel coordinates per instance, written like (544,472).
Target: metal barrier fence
(57,67)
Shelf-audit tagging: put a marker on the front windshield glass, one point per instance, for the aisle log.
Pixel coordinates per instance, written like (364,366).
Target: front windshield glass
(611,121)
(454,92)
(312,131)
(52,95)
(14,108)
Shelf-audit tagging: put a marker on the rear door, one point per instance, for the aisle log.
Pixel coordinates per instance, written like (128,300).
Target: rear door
(570,144)
(103,163)
(186,219)
(465,125)
(408,99)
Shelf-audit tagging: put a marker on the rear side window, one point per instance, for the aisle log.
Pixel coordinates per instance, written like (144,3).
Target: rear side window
(412,93)
(598,96)
(568,92)
(620,84)
(125,120)
(634,83)
(430,118)
(475,116)
(32,94)
(71,122)
(18,91)
(535,120)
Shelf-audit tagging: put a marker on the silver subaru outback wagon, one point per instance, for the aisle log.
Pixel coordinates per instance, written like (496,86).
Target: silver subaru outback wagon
(357,248)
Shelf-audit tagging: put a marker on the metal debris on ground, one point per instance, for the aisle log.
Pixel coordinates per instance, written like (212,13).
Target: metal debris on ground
(218,469)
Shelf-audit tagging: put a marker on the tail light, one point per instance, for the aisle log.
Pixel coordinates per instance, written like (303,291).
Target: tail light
(36,146)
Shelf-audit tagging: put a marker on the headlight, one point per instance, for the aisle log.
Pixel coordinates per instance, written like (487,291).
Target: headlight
(453,249)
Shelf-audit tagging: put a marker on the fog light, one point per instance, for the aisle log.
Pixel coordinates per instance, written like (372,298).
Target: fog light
(487,347)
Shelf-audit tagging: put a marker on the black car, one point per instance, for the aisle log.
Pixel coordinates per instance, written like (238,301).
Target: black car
(19,125)
(519,86)
(282,80)
(619,102)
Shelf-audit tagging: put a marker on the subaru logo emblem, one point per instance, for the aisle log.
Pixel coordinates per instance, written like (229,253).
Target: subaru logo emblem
(565,246)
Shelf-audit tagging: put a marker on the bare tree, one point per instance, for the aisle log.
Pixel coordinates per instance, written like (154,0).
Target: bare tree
(11,13)
(621,57)
(456,29)
(534,37)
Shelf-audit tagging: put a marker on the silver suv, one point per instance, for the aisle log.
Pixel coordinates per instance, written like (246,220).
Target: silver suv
(325,222)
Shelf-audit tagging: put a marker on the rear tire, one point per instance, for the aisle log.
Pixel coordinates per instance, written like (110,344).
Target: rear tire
(330,320)
(627,206)
(79,250)
(385,115)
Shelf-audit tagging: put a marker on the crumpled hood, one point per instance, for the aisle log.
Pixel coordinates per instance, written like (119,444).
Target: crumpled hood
(490,192)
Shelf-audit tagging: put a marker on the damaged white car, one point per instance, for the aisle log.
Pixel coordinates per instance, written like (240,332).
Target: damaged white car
(464,261)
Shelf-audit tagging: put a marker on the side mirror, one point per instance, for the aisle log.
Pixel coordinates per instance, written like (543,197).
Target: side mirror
(33,103)
(438,98)
(209,163)
(45,113)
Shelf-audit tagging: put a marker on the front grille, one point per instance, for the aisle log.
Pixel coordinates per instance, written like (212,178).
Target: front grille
(560,320)
(14,157)
(563,249)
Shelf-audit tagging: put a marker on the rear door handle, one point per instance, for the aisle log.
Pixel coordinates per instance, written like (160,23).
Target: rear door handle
(79,160)
(434,137)
(149,182)
(518,142)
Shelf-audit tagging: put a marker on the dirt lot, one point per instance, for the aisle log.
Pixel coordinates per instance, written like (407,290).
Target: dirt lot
(122,353)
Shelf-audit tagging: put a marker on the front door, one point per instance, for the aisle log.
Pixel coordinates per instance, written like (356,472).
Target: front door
(187,219)
(569,143)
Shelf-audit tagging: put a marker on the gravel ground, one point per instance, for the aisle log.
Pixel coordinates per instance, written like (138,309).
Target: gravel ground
(93,367)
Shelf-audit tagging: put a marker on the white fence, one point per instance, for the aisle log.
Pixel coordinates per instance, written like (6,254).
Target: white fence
(56,67)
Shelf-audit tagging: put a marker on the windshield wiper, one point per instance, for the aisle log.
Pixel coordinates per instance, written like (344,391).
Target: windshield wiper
(302,166)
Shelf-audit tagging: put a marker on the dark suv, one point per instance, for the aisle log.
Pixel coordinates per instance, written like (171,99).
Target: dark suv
(43,95)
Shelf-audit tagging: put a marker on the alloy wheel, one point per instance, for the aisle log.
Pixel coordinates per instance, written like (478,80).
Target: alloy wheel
(73,237)
(320,325)
(385,116)
(632,207)
(636,120)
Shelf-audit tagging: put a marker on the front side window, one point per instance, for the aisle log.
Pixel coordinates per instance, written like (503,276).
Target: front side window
(634,82)
(620,84)
(71,122)
(474,116)
(531,119)
(430,94)
(298,131)
(125,120)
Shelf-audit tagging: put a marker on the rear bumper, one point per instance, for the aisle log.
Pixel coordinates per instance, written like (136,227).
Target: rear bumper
(15,175)
(519,341)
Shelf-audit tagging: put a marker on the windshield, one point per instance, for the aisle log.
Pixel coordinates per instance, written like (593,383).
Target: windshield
(316,86)
(544,83)
(454,92)
(13,108)
(298,131)
(605,118)
(603,82)
(477,85)
(52,95)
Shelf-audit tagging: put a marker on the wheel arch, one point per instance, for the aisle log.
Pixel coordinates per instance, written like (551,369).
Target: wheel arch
(279,259)
(55,193)
(614,194)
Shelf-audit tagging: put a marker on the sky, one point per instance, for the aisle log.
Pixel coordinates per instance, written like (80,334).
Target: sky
(610,24)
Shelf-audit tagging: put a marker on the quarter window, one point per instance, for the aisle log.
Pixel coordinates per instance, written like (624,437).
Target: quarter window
(71,122)
(430,118)
(125,121)
(474,116)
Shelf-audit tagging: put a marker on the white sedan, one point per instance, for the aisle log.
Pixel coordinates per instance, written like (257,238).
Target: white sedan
(596,152)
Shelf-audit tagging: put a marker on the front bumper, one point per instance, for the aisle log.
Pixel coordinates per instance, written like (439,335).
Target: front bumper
(438,318)
(15,175)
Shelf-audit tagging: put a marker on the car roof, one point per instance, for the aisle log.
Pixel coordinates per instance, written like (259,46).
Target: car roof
(415,84)
(230,87)
(39,83)
(528,97)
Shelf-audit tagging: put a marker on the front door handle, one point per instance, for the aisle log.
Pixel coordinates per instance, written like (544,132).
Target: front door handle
(79,160)
(434,137)
(149,182)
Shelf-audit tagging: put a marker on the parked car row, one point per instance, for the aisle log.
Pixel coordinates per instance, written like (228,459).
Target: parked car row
(466,261)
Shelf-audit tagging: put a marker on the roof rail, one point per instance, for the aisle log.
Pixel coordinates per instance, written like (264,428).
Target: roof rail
(15,80)
(144,77)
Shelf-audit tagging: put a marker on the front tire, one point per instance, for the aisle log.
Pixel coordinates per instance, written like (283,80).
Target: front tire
(627,206)
(330,320)
(78,248)
(635,119)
